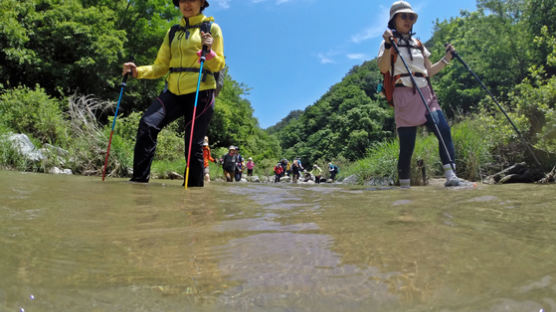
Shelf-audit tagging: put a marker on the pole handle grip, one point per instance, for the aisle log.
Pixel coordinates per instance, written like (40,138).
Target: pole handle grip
(454,53)
(204,52)
(124,80)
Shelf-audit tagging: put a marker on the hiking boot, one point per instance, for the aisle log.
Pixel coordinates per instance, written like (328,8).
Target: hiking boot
(455,181)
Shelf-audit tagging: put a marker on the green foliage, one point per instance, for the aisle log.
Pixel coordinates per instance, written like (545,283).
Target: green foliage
(62,46)
(537,103)
(170,146)
(33,112)
(126,126)
(496,47)
(14,34)
(121,155)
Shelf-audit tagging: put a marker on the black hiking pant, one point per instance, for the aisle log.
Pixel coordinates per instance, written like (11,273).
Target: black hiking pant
(163,110)
(408,135)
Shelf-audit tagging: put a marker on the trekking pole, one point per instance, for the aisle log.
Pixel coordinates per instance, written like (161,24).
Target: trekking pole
(203,58)
(456,55)
(439,135)
(114,124)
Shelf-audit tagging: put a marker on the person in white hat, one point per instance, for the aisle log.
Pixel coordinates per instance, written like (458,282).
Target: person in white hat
(409,109)
(229,162)
(250,165)
(206,158)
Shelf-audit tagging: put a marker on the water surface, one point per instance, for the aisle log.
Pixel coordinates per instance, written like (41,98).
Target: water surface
(72,243)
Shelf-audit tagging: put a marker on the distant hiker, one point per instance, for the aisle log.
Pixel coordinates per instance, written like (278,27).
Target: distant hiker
(250,165)
(206,158)
(229,162)
(409,109)
(297,168)
(181,62)
(317,173)
(333,171)
(278,172)
(285,166)
(239,165)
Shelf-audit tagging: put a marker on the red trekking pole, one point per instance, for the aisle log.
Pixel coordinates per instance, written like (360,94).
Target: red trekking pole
(203,58)
(114,124)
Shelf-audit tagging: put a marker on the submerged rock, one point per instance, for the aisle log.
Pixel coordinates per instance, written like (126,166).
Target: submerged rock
(172,175)
(56,170)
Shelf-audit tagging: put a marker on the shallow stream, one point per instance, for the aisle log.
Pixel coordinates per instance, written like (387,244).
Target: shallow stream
(74,243)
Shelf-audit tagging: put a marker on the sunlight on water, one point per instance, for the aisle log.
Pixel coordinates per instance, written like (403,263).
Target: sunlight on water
(71,243)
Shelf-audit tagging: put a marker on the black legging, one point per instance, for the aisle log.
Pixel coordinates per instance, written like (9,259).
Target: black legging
(163,110)
(408,135)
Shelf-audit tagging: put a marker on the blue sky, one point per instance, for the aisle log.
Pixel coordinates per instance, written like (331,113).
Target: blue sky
(290,52)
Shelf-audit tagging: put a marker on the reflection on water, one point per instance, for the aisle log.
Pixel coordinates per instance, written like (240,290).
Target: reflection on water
(72,243)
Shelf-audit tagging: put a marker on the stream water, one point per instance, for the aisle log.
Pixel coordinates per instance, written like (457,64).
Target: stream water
(74,243)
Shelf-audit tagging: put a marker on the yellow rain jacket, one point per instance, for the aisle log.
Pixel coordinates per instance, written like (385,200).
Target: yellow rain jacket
(183,54)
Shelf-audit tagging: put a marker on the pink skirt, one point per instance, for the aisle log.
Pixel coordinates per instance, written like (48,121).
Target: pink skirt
(409,110)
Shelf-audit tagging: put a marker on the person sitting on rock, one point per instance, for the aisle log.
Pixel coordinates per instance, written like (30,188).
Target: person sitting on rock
(317,173)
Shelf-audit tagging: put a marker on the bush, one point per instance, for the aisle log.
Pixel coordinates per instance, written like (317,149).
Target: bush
(34,113)
(170,146)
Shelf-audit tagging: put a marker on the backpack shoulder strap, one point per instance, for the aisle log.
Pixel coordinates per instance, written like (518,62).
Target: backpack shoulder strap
(172,33)
(393,56)
(204,26)
(420,46)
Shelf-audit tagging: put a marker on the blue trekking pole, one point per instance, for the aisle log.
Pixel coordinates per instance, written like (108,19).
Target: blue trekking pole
(203,59)
(114,124)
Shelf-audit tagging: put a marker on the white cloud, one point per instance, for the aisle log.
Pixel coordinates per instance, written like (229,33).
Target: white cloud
(278,2)
(356,56)
(225,4)
(376,30)
(324,59)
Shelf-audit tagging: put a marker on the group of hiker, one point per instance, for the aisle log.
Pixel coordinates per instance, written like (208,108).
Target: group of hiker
(233,164)
(295,169)
(194,48)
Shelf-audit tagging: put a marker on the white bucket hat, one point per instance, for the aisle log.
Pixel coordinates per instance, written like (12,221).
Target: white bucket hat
(401,7)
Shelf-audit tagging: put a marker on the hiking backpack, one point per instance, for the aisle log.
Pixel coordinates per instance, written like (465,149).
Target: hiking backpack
(204,27)
(386,88)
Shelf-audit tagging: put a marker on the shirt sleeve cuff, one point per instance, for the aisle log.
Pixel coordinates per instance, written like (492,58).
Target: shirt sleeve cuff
(210,55)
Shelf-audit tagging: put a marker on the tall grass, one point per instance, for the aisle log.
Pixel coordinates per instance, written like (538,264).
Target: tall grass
(472,156)
(473,146)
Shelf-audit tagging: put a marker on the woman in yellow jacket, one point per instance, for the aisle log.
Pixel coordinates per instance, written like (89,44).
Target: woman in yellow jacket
(180,57)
